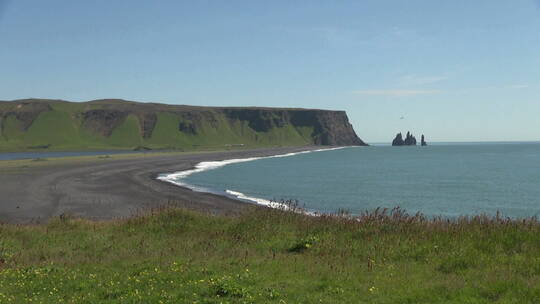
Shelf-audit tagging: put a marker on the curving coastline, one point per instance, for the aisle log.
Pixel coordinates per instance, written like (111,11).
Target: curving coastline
(111,188)
(175,178)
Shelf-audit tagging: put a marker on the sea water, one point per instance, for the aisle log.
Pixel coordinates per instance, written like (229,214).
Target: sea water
(438,180)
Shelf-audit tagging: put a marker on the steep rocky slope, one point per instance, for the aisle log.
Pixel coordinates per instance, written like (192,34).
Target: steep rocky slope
(55,124)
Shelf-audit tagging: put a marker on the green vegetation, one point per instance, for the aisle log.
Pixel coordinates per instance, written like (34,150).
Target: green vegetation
(59,126)
(17,165)
(271,256)
(51,128)
(127,134)
(12,129)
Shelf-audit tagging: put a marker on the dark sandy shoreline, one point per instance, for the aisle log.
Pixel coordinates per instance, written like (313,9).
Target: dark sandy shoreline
(116,188)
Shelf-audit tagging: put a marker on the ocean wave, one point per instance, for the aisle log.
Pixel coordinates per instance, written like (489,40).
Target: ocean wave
(257,200)
(176,177)
(269,203)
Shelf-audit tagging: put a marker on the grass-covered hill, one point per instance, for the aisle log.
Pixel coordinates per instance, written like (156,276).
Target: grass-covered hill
(118,124)
(271,256)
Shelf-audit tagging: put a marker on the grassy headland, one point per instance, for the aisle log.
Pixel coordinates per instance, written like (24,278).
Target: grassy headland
(56,125)
(271,256)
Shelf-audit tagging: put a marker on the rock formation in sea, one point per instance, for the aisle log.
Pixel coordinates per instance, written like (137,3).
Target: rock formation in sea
(423,141)
(398,140)
(409,140)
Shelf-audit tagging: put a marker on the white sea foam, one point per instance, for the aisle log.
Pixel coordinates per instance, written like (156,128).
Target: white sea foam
(268,203)
(260,201)
(177,177)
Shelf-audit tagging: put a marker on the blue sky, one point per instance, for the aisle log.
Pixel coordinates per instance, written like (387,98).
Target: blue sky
(455,70)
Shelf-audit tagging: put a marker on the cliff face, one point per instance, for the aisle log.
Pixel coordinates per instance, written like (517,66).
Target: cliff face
(329,127)
(123,124)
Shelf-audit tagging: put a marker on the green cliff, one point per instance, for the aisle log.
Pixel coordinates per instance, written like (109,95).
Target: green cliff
(37,124)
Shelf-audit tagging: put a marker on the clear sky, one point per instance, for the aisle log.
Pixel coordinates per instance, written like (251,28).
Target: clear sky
(457,70)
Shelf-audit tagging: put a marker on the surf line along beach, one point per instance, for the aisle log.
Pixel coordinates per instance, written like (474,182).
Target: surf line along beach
(176,178)
(115,187)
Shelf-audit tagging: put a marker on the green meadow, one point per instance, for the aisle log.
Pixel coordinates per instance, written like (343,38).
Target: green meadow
(271,256)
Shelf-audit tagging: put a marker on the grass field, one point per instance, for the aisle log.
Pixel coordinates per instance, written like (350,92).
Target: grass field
(271,256)
(30,163)
(6,165)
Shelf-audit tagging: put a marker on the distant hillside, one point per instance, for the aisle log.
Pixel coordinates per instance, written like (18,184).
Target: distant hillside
(36,124)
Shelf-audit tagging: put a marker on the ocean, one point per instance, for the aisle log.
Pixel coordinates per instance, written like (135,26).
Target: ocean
(448,180)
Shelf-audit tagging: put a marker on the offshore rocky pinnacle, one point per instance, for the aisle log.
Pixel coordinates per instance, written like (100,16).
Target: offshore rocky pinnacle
(423,141)
(409,140)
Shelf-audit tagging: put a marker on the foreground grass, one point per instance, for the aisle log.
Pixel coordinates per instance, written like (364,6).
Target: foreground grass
(271,256)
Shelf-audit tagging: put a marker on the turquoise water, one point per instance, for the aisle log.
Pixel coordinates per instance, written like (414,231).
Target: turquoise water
(448,180)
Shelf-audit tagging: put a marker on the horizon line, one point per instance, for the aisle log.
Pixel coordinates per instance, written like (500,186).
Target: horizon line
(475,141)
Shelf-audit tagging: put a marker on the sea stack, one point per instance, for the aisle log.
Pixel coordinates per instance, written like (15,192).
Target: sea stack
(410,140)
(423,141)
(398,140)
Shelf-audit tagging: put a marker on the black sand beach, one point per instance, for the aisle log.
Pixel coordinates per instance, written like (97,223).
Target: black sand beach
(112,188)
